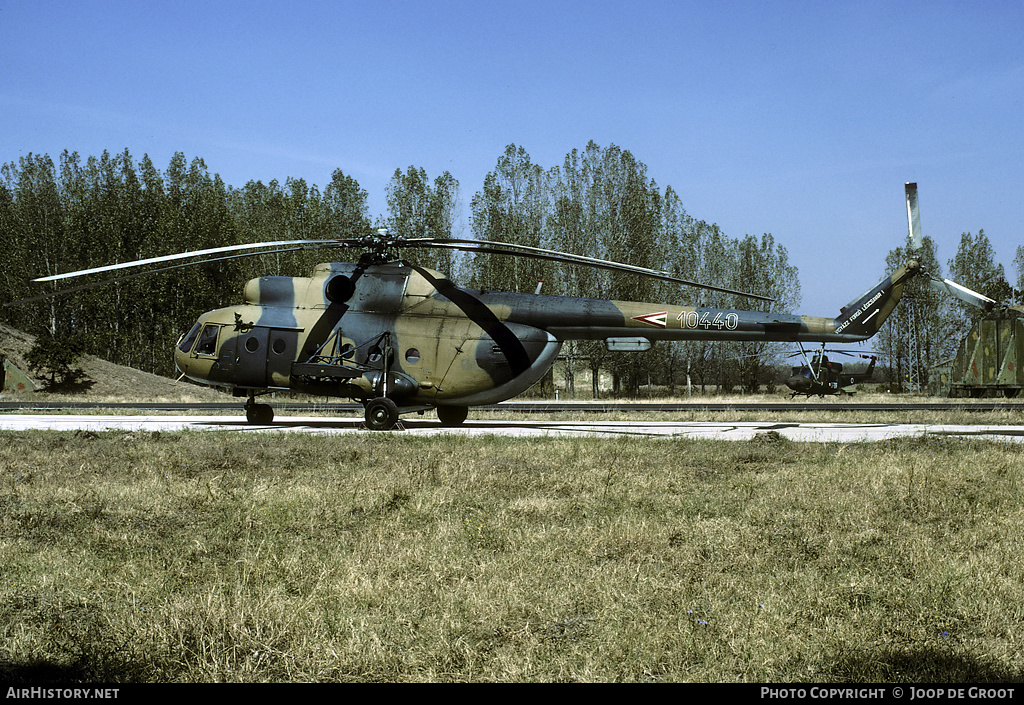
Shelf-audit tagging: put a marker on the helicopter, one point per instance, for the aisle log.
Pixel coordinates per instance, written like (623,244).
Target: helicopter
(820,376)
(399,338)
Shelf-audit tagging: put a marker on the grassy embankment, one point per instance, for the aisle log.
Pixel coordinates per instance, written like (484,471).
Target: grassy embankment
(219,557)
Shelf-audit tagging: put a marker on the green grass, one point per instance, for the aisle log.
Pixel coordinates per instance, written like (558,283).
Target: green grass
(381,557)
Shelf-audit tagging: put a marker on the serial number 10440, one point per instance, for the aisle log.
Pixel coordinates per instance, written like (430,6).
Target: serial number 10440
(692,319)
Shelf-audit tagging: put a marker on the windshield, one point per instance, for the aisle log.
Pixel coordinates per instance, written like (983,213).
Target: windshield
(185,344)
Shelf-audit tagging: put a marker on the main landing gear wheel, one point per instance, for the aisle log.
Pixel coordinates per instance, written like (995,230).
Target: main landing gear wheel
(260,414)
(452,415)
(381,414)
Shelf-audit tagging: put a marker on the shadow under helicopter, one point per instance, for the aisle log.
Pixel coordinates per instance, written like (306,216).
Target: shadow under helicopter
(745,431)
(424,425)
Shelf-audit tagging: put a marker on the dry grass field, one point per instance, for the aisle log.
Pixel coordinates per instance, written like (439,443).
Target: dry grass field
(201,557)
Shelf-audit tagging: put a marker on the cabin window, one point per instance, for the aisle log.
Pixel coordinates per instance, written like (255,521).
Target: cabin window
(412,355)
(207,344)
(339,289)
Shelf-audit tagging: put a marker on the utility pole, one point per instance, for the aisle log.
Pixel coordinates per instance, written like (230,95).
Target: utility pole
(913,350)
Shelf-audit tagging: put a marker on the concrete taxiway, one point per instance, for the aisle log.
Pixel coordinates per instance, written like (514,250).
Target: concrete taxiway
(734,431)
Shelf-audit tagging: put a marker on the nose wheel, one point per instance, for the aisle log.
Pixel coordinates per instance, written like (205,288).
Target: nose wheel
(259,414)
(381,414)
(452,415)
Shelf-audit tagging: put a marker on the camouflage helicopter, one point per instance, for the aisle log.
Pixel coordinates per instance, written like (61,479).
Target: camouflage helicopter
(820,376)
(401,338)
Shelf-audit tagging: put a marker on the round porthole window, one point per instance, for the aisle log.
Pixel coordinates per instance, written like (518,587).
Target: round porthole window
(252,344)
(339,289)
(412,355)
(280,346)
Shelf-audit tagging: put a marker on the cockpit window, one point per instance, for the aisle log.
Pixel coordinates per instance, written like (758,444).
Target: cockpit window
(187,340)
(207,344)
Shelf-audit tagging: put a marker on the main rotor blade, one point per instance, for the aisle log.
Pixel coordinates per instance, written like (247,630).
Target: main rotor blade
(381,243)
(503,248)
(148,272)
(200,253)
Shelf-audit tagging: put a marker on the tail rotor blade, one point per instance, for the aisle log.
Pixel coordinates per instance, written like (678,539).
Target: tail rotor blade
(913,216)
(944,286)
(963,293)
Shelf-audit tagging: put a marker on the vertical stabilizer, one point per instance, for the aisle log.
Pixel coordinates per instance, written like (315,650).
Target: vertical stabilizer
(864,316)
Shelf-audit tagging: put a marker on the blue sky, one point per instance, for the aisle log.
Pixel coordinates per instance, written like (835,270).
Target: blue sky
(801,119)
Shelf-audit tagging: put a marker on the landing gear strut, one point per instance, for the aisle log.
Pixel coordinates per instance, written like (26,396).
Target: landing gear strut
(382,412)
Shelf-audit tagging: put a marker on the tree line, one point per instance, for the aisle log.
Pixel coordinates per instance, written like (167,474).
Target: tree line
(601,202)
(77,213)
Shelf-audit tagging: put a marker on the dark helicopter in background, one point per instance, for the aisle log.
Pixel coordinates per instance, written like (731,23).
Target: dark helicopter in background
(820,376)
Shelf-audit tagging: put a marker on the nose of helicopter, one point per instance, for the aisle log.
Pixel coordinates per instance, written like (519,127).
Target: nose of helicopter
(180,359)
(181,362)
(798,383)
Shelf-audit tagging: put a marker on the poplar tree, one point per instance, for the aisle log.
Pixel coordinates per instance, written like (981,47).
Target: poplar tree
(345,206)
(974,266)
(512,207)
(418,208)
(106,209)
(762,268)
(1018,264)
